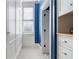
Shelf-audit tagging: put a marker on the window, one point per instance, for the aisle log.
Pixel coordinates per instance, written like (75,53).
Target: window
(28,27)
(28,14)
(28,20)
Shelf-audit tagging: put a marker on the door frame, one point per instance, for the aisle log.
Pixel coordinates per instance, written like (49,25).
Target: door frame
(53,17)
(23,6)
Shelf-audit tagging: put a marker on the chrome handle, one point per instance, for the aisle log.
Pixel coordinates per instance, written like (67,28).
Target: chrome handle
(8,32)
(71,4)
(65,53)
(65,41)
(44,30)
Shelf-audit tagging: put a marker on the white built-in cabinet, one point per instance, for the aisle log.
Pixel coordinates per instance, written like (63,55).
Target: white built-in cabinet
(11,41)
(14,28)
(65,29)
(64,6)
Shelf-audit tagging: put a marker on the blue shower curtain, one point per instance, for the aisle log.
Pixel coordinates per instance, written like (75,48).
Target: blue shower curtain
(37,24)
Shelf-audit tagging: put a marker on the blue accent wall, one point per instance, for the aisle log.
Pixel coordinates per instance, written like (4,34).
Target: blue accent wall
(37,24)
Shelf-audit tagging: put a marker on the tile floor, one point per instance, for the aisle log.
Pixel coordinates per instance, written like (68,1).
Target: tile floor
(32,53)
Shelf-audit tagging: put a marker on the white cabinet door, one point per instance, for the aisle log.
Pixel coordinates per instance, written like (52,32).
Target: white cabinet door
(45,30)
(11,51)
(11,17)
(65,41)
(66,7)
(10,44)
(64,53)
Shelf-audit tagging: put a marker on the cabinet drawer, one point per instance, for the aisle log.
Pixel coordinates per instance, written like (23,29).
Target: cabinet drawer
(64,53)
(58,51)
(65,41)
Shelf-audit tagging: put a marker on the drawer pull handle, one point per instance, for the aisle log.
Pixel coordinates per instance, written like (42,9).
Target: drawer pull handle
(71,4)
(65,53)
(44,30)
(65,41)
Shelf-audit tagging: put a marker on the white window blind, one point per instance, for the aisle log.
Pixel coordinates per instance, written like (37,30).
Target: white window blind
(28,14)
(28,27)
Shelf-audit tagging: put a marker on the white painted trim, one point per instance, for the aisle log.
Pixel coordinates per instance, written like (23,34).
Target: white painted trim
(34,22)
(50,33)
(24,20)
(45,4)
(63,13)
